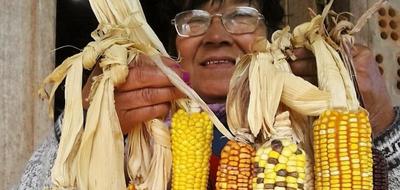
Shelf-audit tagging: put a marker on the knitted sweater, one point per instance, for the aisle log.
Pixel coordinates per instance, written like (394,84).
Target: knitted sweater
(389,144)
(37,171)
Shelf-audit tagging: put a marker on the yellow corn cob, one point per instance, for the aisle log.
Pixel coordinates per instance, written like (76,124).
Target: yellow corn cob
(131,187)
(279,166)
(191,149)
(342,151)
(235,167)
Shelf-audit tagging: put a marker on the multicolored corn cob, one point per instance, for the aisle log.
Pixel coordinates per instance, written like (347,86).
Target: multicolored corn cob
(279,166)
(191,149)
(381,181)
(342,151)
(235,166)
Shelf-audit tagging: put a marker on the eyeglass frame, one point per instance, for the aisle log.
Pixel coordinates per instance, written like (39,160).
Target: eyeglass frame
(211,16)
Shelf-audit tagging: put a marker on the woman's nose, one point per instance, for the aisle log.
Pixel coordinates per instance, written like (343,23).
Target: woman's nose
(216,33)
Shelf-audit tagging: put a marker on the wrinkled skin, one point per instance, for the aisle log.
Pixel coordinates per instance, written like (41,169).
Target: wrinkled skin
(211,81)
(147,93)
(373,89)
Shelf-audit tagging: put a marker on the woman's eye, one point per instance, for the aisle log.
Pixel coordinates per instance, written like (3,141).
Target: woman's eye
(196,21)
(242,18)
(240,15)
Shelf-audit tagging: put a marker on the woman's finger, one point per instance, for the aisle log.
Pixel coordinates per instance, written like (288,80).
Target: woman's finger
(144,73)
(132,117)
(146,97)
(303,53)
(313,80)
(304,67)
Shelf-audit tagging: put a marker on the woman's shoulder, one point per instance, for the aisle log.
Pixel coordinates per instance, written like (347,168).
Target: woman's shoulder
(38,169)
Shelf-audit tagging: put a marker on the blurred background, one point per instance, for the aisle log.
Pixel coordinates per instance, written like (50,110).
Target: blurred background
(32,30)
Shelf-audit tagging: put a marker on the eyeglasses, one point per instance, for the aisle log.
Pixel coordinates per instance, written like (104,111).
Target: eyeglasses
(240,20)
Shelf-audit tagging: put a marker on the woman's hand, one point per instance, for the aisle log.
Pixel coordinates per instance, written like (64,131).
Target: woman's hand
(305,65)
(371,84)
(373,90)
(145,95)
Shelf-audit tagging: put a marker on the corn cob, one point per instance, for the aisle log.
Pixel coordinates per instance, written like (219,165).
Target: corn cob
(380,170)
(279,166)
(191,149)
(131,187)
(342,33)
(342,134)
(235,167)
(342,151)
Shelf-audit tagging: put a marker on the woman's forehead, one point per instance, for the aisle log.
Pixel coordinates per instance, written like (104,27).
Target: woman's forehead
(225,3)
(218,4)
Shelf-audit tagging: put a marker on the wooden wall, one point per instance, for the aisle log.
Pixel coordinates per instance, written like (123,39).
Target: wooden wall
(27,39)
(383,35)
(296,11)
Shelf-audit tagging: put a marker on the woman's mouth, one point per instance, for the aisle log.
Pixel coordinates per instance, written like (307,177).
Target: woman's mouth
(217,62)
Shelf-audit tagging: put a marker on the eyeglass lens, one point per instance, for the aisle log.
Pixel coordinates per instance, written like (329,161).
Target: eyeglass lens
(196,22)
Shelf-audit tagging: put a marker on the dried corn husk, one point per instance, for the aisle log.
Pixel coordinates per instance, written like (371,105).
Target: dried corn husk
(335,72)
(332,74)
(281,46)
(264,85)
(93,158)
(65,175)
(101,152)
(332,50)
(257,87)
(342,34)
(159,173)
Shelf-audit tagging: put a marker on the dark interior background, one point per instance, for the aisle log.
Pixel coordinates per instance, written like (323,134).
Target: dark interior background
(75,22)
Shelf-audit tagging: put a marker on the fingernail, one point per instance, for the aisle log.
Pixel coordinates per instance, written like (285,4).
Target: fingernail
(186,77)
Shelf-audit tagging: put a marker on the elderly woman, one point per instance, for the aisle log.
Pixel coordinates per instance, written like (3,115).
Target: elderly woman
(208,39)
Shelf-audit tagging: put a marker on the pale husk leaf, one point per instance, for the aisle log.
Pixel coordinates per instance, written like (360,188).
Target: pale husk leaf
(261,80)
(162,153)
(272,83)
(296,93)
(342,35)
(64,171)
(101,154)
(330,78)
(139,153)
(280,43)
(238,96)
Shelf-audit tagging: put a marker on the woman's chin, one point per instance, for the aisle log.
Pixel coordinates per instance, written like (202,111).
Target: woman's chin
(213,94)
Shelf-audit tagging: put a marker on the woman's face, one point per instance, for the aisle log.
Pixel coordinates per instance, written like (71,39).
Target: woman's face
(210,57)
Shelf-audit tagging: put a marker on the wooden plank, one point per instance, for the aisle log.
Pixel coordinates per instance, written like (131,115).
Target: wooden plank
(27,36)
(341,6)
(387,48)
(357,8)
(297,11)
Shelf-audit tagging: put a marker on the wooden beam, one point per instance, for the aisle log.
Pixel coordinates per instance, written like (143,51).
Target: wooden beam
(27,36)
(297,11)
(341,6)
